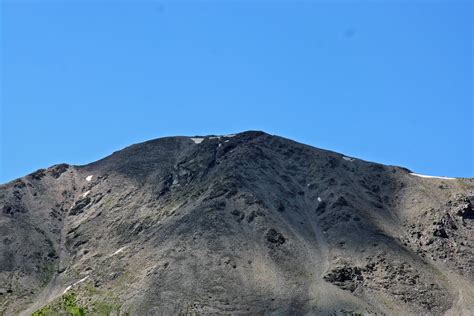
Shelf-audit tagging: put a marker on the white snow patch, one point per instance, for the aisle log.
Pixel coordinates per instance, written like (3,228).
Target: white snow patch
(67,289)
(89,178)
(81,280)
(431,177)
(226,141)
(319,199)
(76,283)
(197,140)
(348,158)
(219,145)
(86,193)
(220,136)
(119,251)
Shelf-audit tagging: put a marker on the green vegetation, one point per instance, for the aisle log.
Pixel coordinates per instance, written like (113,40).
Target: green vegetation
(67,304)
(105,309)
(43,312)
(71,306)
(91,289)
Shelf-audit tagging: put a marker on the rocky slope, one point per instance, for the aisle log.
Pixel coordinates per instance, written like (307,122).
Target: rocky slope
(239,224)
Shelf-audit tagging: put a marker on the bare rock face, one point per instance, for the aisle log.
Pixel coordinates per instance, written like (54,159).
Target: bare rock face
(238,224)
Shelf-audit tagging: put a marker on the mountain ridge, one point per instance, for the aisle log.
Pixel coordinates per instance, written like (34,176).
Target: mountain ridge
(248,223)
(213,136)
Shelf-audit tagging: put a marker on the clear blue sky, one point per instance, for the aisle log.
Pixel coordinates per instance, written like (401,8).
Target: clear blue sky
(387,81)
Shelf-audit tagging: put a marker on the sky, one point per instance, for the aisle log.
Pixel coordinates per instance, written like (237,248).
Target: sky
(385,81)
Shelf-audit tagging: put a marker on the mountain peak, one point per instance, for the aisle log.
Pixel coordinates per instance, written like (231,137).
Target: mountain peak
(246,223)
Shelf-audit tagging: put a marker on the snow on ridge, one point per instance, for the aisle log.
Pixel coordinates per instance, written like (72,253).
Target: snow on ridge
(119,251)
(86,193)
(431,177)
(76,283)
(89,178)
(319,199)
(82,280)
(67,289)
(348,158)
(197,140)
(225,136)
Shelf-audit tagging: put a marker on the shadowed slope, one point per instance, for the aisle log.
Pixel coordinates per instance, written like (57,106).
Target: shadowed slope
(250,223)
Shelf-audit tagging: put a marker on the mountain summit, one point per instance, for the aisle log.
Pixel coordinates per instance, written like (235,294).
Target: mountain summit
(238,224)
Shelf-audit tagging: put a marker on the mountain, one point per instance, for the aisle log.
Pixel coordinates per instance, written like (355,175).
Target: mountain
(238,224)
